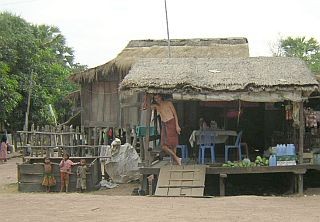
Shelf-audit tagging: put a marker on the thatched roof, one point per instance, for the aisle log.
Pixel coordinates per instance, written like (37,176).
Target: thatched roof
(222,78)
(180,48)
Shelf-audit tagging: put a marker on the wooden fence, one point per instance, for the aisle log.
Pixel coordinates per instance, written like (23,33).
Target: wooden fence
(55,141)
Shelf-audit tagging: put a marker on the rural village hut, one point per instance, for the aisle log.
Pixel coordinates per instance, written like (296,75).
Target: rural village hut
(100,101)
(258,80)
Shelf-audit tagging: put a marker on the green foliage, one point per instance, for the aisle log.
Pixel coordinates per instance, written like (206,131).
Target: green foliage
(306,49)
(39,51)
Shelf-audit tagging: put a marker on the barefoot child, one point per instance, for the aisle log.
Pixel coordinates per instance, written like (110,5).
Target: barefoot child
(48,178)
(65,171)
(82,176)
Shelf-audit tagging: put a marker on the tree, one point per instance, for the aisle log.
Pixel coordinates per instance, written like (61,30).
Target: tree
(305,49)
(42,51)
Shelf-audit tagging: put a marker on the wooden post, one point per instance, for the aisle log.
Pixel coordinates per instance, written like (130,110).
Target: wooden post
(222,184)
(47,141)
(71,135)
(147,139)
(134,142)
(155,123)
(300,184)
(128,134)
(301,132)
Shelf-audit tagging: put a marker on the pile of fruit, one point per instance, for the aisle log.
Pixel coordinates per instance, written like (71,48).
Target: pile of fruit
(260,161)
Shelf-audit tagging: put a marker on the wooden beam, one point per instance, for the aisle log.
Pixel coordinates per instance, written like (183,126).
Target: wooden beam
(147,138)
(301,132)
(222,184)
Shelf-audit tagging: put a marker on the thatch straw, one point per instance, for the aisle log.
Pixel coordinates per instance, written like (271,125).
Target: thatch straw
(180,48)
(204,75)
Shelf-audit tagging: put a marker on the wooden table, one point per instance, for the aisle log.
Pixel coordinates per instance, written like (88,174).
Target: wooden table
(221,136)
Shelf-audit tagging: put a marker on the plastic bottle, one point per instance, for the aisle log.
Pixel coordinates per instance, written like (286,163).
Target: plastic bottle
(285,149)
(292,149)
(272,160)
(278,149)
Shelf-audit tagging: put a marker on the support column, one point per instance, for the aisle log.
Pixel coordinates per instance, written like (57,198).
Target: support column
(222,184)
(301,132)
(147,138)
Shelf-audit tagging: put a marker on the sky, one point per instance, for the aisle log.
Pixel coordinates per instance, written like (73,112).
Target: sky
(98,30)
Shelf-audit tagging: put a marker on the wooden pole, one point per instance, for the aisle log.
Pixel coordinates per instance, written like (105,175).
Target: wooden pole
(301,132)
(26,123)
(128,134)
(169,51)
(147,139)
(155,123)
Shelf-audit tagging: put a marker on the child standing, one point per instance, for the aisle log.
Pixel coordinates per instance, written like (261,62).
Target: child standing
(48,178)
(65,171)
(82,176)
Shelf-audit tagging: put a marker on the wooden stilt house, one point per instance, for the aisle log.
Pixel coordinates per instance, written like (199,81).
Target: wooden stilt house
(100,100)
(196,81)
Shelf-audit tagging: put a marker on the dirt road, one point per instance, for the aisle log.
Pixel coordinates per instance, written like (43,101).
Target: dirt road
(15,206)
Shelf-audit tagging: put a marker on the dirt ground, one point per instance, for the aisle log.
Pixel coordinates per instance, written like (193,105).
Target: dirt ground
(118,205)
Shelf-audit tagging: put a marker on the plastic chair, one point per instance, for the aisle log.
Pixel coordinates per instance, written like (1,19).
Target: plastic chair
(184,152)
(237,145)
(206,141)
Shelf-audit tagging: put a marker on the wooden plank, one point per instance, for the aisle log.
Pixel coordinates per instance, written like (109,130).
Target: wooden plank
(31,178)
(200,179)
(155,169)
(100,93)
(163,179)
(181,186)
(114,108)
(94,102)
(248,170)
(188,171)
(185,170)
(30,168)
(175,185)
(84,104)
(186,191)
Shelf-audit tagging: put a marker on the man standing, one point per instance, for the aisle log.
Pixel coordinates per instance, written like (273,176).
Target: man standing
(170,126)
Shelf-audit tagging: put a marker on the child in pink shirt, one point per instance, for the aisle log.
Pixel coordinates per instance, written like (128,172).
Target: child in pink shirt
(65,171)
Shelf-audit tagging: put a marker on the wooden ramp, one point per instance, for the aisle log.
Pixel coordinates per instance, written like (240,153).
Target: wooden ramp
(185,180)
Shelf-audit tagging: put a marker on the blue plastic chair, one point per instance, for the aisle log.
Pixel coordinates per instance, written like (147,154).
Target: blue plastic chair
(184,152)
(206,141)
(237,145)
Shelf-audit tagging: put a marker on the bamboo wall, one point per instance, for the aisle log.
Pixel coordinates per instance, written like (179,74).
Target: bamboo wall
(100,104)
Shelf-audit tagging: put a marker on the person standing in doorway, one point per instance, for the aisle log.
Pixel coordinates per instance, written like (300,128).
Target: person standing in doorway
(170,126)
